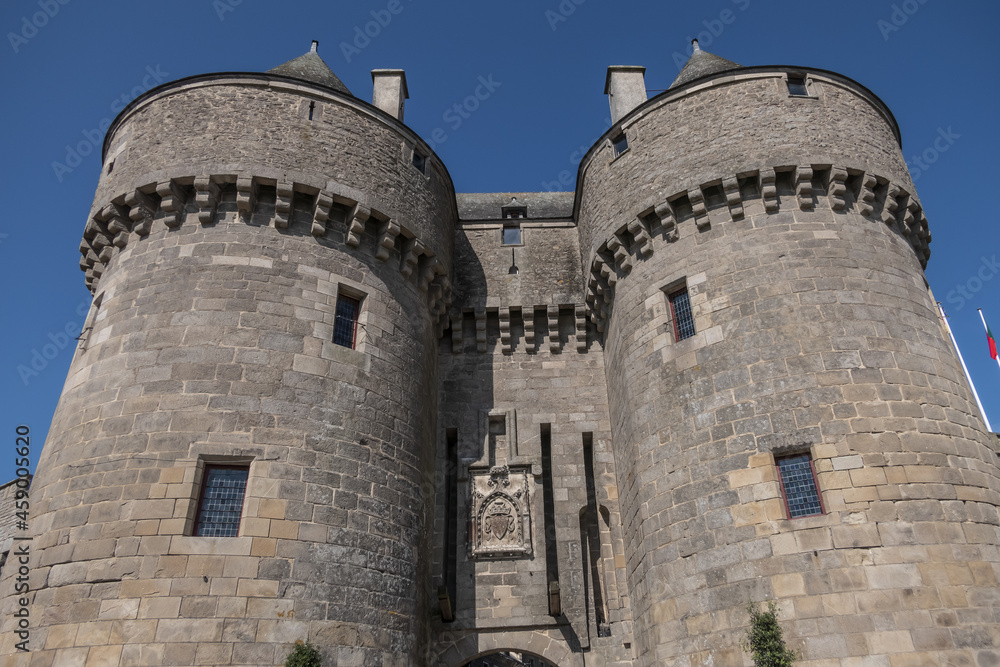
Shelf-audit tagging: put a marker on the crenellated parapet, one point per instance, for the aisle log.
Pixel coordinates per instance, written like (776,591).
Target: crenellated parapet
(803,187)
(363,227)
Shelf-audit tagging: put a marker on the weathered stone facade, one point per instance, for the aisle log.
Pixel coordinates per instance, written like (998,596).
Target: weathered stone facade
(516,454)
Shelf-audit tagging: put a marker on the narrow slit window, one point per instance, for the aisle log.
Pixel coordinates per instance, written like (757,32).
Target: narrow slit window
(345,325)
(680,314)
(797,86)
(620,143)
(798,486)
(312,108)
(221,504)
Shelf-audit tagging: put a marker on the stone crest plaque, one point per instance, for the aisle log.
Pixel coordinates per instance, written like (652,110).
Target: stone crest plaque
(500,525)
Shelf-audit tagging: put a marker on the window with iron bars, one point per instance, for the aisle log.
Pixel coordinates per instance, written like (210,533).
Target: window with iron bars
(345,324)
(680,314)
(798,485)
(221,503)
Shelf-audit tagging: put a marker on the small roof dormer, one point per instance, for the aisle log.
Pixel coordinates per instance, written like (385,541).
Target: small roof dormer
(310,67)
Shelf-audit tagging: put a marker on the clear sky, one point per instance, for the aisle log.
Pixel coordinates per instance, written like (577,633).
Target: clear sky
(68,66)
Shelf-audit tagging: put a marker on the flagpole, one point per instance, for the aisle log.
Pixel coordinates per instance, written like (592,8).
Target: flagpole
(982,411)
(986,326)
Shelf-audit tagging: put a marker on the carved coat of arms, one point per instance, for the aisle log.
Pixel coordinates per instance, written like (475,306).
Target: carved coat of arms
(500,524)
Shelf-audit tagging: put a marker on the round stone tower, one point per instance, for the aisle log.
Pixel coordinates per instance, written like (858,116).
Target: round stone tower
(269,258)
(755,252)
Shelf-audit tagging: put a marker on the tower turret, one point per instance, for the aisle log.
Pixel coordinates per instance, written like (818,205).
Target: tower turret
(242,450)
(788,418)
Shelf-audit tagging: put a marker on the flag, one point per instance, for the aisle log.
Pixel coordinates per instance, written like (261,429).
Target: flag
(992,342)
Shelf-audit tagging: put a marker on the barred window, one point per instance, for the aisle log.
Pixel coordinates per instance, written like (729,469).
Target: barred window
(221,504)
(798,486)
(345,325)
(680,314)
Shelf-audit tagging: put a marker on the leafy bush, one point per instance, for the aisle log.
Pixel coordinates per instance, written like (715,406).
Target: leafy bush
(304,655)
(763,639)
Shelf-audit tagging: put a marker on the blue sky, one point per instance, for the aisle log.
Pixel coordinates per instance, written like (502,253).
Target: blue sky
(68,66)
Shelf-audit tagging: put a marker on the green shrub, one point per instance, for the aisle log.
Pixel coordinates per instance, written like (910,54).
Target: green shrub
(304,655)
(763,640)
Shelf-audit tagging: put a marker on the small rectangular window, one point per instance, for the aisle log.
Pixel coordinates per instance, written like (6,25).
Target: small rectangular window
(798,485)
(345,324)
(797,86)
(221,503)
(420,161)
(512,235)
(620,142)
(680,314)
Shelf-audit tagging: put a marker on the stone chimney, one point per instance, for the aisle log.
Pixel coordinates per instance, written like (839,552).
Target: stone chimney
(626,88)
(390,92)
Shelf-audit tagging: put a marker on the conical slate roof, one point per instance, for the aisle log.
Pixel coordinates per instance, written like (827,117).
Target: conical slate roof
(310,67)
(702,63)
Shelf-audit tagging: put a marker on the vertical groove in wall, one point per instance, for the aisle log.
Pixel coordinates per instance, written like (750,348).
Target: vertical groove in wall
(448,564)
(548,501)
(590,534)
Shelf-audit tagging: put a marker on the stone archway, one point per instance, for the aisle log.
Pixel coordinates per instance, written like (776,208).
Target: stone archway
(509,659)
(546,649)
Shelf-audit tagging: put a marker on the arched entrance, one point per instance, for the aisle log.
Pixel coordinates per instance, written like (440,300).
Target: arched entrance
(509,659)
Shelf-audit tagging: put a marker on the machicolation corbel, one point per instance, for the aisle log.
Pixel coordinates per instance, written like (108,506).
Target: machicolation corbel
(172,202)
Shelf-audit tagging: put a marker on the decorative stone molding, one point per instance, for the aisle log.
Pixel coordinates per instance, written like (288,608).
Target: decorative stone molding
(528,317)
(866,205)
(837,189)
(142,208)
(553,315)
(911,224)
(283,205)
(769,190)
(698,207)
(206,196)
(505,330)
(803,187)
(731,188)
(480,331)
(506,317)
(133,212)
(321,213)
(171,202)
(246,195)
(356,224)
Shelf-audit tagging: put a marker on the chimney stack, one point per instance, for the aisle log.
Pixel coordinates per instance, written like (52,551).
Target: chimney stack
(389,93)
(626,88)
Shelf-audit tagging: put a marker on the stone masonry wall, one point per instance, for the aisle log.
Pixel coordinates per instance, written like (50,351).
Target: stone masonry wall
(816,333)
(211,341)
(214,345)
(503,604)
